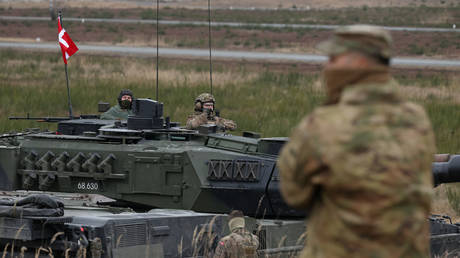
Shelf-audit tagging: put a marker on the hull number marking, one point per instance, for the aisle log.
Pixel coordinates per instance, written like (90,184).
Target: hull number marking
(89,186)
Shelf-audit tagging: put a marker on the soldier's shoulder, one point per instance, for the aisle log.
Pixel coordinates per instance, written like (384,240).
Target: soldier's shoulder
(312,121)
(416,115)
(112,109)
(115,108)
(251,236)
(194,114)
(413,108)
(230,239)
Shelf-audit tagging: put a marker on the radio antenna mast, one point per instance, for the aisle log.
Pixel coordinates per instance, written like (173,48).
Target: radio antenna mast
(210,56)
(157,65)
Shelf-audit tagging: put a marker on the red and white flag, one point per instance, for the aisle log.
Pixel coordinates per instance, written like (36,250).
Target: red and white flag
(68,48)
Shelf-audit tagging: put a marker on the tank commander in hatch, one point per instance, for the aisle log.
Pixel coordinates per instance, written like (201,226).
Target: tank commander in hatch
(361,164)
(204,114)
(240,243)
(121,110)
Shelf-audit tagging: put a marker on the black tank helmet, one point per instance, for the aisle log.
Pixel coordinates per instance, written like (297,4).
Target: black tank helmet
(124,92)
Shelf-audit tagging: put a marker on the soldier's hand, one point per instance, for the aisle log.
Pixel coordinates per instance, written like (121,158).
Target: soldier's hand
(220,125)
(208,112)
(203,118)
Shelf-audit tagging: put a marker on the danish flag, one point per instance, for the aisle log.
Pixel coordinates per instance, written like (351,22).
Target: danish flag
(68,48)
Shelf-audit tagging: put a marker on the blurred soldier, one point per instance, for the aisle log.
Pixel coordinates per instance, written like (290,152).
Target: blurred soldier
(123,109)
(361,164)
(204,114)
(240,243)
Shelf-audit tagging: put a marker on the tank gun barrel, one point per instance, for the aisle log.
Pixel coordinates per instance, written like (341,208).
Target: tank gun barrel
(40,119)
(51,119)
(446,169)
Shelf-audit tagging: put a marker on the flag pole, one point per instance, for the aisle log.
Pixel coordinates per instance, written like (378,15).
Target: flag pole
(68,93)
(67,78)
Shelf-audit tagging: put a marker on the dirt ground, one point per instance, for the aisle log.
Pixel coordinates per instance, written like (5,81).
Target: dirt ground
(306,4)
(438,45)
(298,4)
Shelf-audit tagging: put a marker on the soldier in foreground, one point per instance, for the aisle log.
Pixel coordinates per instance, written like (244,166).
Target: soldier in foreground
(123,109)
(204,114)
(240,243)
(361,164)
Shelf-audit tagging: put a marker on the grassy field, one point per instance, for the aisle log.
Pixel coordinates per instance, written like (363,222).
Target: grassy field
(260,98)
(36,84)
(266,98)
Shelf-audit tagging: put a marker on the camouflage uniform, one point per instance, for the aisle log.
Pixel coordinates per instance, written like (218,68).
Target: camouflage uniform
(116,112)
(362,168)
(199,117)
(239,244)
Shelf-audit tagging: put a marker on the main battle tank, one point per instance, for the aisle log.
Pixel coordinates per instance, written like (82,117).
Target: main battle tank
(180,179)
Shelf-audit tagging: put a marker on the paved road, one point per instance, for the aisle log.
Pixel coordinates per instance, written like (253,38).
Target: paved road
(220,24)
(223,54)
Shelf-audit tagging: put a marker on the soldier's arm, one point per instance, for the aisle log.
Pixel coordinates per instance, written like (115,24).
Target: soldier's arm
(220,250)
(301,168)
(227,124)
(195,121)
(255,240)
(109,115)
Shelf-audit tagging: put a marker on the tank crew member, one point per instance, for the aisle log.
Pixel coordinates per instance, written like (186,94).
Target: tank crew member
(122,109)
(361,164)
(204,114)
(239,243)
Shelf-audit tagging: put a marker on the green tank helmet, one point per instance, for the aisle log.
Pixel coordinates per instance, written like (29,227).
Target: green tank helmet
(203,98)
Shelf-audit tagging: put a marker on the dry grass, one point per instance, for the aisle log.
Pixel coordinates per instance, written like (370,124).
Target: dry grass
(128,72)
(441,205)
(443,92)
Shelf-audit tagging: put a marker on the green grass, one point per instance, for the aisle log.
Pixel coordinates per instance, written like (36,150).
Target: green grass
(266,100)
(453,197)
(445,124)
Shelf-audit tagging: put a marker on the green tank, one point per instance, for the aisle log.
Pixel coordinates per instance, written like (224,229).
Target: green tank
(176,182)
(148,162)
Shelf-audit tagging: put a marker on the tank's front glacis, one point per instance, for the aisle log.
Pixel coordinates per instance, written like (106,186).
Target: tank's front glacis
(149,162)
(236,172)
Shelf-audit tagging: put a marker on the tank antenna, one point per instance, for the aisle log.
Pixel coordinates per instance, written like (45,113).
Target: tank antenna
(210,56)
(157,65)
